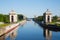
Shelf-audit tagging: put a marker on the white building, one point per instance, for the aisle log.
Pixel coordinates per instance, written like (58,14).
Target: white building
(13,16)
(47,16)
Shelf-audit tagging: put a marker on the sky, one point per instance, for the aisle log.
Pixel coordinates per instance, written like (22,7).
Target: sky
(29,8)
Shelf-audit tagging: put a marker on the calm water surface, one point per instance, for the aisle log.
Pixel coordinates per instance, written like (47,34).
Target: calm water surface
(32,31)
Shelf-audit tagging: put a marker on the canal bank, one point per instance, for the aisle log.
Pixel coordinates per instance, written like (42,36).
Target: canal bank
(32,31)
(11,27)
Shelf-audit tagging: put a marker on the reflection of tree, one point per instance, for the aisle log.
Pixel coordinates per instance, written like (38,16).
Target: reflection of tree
(47,34)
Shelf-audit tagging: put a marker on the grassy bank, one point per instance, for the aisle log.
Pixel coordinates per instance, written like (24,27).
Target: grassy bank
(3,25)
(55,23)
(7,24)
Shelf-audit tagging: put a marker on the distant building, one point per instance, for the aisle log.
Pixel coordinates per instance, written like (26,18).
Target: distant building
(58,18)
(47,16)
(13,16)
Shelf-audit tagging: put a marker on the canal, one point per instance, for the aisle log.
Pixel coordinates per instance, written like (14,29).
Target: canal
(32,31)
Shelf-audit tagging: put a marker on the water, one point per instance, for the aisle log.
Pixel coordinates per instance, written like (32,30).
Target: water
(32,31)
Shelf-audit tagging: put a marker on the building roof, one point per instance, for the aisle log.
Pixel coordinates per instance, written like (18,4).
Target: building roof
(48,12)
(12,12)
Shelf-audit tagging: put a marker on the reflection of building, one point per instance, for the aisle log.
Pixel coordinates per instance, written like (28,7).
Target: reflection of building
(47,34)
(13,35)
(2,37)
(13,16)
(47,17)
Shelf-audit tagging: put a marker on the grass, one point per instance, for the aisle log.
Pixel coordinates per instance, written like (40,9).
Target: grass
(3,25)
(55,23)
(58,25)
(52,23)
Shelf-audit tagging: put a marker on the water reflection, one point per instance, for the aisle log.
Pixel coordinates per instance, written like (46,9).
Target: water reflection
(35,23)
(2,37)
(31,31)
(12,35)
(47,34)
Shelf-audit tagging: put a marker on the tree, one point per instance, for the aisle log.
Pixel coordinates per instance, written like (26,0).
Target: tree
(20,17)
(6,19)
(39,18)
(55,18)
(1,18)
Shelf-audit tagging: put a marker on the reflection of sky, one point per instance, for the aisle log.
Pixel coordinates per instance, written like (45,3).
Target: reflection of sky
(55,35)
(30,7)
(30,32)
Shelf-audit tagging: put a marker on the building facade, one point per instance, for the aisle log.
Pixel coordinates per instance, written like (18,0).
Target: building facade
(47,16)
(13,16)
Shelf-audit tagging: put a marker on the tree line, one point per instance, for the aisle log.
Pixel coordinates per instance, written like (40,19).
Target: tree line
(6,18)
(54,18)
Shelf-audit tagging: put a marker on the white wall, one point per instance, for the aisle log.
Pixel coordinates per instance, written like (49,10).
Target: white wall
(46,18)
(14,19)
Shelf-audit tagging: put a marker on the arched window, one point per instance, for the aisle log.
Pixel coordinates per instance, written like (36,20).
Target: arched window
(48,18)
(12,18)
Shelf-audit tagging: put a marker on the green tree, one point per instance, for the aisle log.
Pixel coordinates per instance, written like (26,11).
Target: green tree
(55,18)
(20,17)
(39,18)
(6,19)
(1,18)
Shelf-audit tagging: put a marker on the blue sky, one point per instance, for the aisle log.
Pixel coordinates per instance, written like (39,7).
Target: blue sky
(30,8)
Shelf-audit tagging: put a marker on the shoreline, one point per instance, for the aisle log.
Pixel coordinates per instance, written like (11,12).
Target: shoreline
(50,27)
(12,27)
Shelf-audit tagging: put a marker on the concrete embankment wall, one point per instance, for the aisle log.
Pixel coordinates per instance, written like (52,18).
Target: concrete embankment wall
(11,27)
